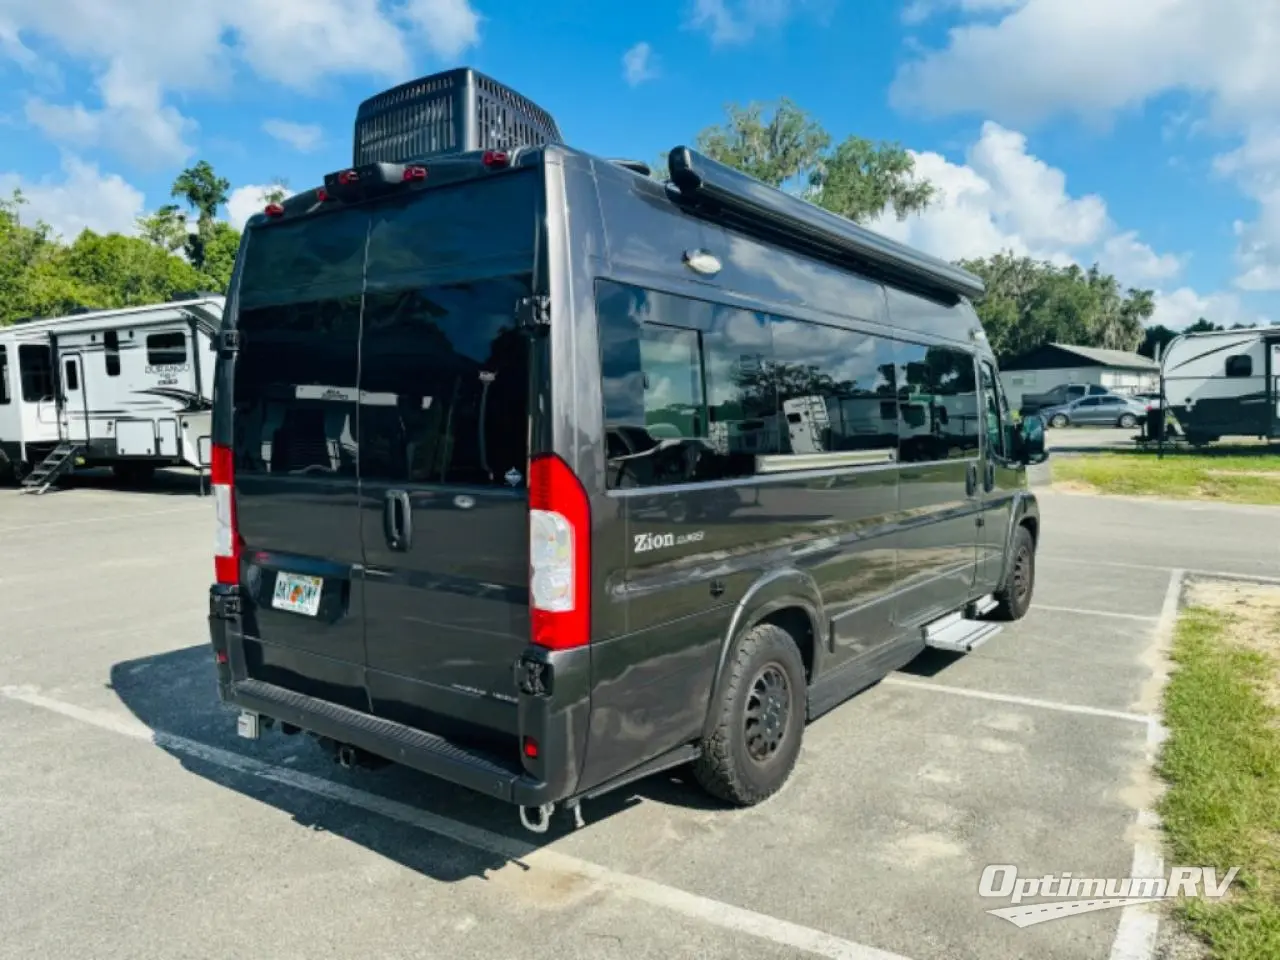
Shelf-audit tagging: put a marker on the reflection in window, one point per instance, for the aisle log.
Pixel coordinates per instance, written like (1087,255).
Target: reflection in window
(993,408)
(445,378)
(939,403)
(1240,365)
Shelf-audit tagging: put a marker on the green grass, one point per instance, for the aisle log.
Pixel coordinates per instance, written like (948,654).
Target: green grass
(1238,478)
(1222,763)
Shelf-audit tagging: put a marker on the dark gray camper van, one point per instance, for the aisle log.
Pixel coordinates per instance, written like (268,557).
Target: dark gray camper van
(539,476)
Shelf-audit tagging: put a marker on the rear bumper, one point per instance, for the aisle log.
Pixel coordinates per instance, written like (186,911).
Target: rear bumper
(557,728)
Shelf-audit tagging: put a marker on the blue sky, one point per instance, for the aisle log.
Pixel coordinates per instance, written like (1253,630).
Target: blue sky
(1143,134)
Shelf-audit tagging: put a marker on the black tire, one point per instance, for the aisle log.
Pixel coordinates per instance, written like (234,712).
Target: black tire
(759,722)
(1128,421)
(1014,597)
(1058,420)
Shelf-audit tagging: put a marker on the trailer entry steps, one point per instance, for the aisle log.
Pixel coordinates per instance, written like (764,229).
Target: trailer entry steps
(49,470)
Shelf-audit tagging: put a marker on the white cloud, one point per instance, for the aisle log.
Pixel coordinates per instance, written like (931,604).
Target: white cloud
(639,64)
(918,11)
(1005,199)
(144,50)
(245,201)
(1094,57)
(728,22)
(303,137)
(1255,166)
(84,198)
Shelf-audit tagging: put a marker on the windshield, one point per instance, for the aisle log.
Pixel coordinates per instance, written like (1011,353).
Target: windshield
(380,341)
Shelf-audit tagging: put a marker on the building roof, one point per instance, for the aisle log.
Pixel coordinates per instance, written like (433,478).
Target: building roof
(1110,358)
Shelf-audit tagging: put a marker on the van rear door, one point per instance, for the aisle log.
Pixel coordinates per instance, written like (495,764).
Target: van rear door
(296,496)
(444,447)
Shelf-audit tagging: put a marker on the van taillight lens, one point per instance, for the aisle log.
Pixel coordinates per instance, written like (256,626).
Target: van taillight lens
(226,551)
(559,556)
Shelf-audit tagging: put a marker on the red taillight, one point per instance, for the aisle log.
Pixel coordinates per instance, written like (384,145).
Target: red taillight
(495,158)
(415,173)
(559,556)
(220,657)
(274,210)
(531,748)
(226,552)
(347,177)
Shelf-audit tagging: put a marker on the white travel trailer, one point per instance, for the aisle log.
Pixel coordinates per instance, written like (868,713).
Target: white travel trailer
(129,389)
(1224,383)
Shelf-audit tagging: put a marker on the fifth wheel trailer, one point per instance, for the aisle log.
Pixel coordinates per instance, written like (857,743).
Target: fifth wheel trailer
(128,389)
(1224,383)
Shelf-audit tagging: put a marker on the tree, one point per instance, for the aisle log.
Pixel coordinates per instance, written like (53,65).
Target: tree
(166,228)
(204,192)
(783,146)
(1029,303)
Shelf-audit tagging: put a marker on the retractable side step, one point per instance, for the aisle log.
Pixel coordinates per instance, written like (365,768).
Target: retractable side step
(48,471)
(958,634)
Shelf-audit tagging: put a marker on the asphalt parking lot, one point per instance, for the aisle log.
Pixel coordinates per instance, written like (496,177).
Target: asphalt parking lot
(134,824)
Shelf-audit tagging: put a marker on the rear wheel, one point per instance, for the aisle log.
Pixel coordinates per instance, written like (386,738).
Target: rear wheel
(1058,420)
(1014,598)
(1128,421)
(760,721)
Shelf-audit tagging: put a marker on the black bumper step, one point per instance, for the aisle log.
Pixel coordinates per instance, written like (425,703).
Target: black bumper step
(386,738)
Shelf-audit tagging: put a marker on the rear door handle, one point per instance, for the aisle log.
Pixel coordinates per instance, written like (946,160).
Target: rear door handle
(397,520)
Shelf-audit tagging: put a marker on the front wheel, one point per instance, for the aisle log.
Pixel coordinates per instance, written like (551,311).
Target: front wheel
(1014,598)
(1128,421)
(760,720)
(1058,420)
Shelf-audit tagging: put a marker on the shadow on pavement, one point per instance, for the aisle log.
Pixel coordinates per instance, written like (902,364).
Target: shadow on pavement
(174,693)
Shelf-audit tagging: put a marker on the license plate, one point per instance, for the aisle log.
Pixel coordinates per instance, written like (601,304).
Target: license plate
(297,593)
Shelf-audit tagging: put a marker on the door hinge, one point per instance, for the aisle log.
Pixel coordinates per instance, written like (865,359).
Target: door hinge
(228,342)
(534,313)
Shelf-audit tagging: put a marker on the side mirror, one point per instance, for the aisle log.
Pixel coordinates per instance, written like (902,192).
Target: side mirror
(1028,440)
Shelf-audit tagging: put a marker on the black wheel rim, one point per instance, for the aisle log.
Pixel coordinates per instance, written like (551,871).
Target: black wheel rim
(768,713)
(1022,573)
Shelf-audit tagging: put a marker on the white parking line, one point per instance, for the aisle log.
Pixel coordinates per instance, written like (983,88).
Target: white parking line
(897,681)
(713,912)
(1093,613)
(115,517)
(1139,926)
(1162,568)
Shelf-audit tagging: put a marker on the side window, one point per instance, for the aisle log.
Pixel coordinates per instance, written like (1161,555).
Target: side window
(166,349)
(4,375)
(994,410)
(35,364)
(71,374)
(1240,365)
(111,351)
(937,391)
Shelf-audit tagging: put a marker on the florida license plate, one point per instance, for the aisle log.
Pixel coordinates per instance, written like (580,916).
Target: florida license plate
(297,593)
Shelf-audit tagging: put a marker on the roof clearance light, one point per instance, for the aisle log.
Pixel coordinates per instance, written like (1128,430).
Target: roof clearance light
(274,210)
(415,173)
(322,195)
(348,177)
(495,158)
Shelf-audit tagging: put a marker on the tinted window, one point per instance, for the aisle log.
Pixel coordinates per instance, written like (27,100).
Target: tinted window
(445,385)
(314,259)
(295,388)
(1240,365)
(111,351)
(166,349)
(939,402)
(932,318)
(994,410)
(1090,402)
(4,375)
(72,373)
(695,391)
(35,364)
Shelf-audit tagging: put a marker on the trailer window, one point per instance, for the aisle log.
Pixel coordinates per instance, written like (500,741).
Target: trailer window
(4,375)
(72,375)
(111,351)
(167,349)
(35,363)
(1240,365)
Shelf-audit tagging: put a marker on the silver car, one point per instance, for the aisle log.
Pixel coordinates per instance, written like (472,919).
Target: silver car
(1108,410)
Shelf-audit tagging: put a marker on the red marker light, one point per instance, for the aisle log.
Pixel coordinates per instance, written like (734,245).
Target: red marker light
(531,748)
(322,195)
(415,173)
(274,210)
(347,177)
(495,158)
